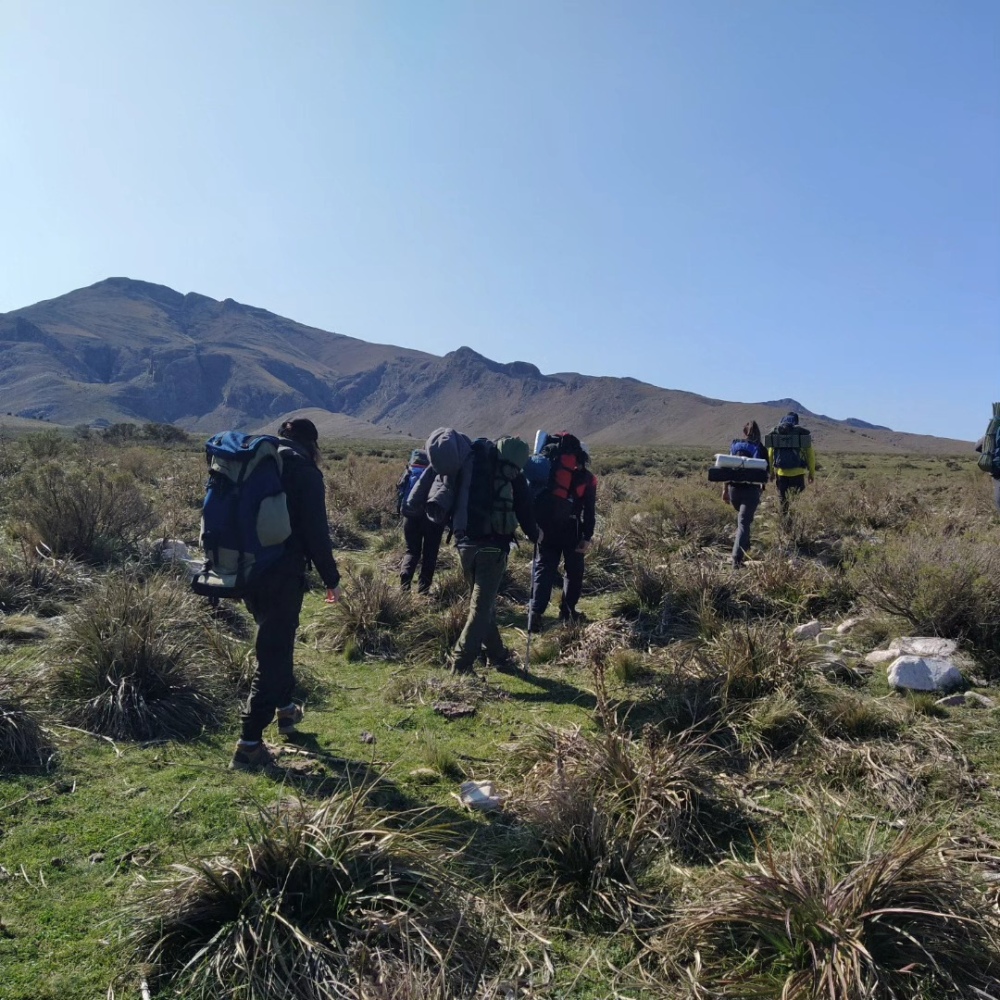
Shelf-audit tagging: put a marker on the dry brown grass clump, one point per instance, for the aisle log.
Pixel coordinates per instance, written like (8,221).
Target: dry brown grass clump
(333,903)
(599,809)
(835,917)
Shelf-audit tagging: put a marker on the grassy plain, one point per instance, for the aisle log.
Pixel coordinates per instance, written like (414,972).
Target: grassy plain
(687,670)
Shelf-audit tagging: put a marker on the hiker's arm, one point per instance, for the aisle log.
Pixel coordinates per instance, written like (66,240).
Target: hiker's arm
(589,509)
(524,509)
(770,464)
(313,525)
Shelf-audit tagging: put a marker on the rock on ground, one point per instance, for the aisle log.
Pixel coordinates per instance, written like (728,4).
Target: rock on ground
(808,631)
(924,673)
(924,646)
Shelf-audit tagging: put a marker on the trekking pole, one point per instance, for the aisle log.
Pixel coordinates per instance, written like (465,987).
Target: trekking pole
(531,600)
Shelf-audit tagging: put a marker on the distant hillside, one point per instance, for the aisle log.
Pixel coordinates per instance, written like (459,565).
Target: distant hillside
(130,350)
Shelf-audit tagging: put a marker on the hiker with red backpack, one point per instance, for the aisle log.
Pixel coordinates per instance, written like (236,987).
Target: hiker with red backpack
(565,497)
(745,496)
(422,536)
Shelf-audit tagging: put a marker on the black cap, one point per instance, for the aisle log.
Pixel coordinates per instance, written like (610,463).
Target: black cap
(301,429)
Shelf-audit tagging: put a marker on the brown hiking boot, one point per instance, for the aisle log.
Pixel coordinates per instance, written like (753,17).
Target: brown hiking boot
(289,718)
(255,758)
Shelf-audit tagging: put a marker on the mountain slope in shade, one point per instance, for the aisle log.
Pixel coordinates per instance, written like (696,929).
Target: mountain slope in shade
(130,350)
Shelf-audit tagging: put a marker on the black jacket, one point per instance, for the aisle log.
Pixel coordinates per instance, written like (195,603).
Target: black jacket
(305,493)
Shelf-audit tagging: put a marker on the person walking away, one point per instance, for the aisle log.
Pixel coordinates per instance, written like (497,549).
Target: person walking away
(565,513)
(275,598)
(988,447)
(745,497)
(499,500)
(791,458)
(421,535)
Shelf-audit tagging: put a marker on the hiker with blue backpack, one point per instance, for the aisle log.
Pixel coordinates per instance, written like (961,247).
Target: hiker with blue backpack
(263,522)
(790,452)
(421,535)
(988,447)
(565,496)
(745,496)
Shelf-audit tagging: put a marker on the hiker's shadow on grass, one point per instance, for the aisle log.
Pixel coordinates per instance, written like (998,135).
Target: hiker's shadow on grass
(558,692)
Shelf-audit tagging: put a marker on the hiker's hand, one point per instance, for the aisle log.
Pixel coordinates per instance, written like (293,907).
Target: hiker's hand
(812,478)
(334,594)
(725,494)
(584,545)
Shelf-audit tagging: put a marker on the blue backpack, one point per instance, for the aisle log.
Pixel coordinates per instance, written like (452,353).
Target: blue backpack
(748,449)
(244,519)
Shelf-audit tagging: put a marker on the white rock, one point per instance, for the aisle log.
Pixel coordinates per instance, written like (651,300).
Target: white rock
(977,700)
(924,646)
(879,656)
(482,796)
(924,673)
(808,631)
(847,624)
(174,550)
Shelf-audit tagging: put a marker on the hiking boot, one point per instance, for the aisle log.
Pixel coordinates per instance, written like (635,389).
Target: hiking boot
(509,663)
(288,718)
(255,758)
(571,615)
(455,669)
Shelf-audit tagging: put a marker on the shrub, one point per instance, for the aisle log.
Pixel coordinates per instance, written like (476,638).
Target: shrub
(363,490)
(833,918)
(947,587)
(132,663)
(318,905)
(84,514)
(31,582)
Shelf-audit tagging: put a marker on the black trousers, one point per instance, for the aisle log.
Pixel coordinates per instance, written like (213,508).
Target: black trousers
(559,543)
(786,485)
(423,539)
(745,498)
(275,603)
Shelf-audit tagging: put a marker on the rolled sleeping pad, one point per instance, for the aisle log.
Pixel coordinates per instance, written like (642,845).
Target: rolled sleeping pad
(737,475)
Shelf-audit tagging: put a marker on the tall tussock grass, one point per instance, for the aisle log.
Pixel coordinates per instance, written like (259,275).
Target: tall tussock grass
(368,618)
(599,809)
(837,917)
(24,746)
(328,903)
(131,662)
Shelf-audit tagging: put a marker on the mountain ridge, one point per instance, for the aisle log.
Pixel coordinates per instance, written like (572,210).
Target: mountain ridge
(124,349)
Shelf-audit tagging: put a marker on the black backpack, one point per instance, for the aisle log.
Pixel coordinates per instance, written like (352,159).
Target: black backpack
(491,489)
(789,442)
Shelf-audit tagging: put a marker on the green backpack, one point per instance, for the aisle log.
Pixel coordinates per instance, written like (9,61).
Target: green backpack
(491,490)
(989,458)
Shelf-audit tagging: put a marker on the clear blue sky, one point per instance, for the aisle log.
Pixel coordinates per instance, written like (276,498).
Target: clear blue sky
(750,199)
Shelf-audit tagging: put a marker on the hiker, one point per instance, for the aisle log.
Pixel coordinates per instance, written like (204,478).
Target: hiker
(980,444)
(745,497)
(791,458)
(275,598)
(422,536)
(564,505)
(478,490)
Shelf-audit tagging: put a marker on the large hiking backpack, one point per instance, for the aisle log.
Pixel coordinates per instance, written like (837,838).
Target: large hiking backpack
(558,479)
(989,458)
(789,442)
(748,449)
(244,519)
(490,508)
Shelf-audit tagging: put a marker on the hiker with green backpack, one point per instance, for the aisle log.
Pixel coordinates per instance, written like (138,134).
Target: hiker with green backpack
(791,458)
(478,491)
(989,452)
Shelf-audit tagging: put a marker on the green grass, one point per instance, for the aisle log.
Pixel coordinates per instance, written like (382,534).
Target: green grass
(74,841)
